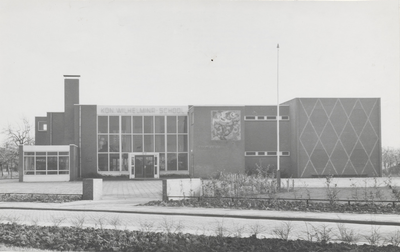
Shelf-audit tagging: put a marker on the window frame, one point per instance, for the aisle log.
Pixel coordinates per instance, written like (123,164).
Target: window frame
(266,118)
(42,125)
(46,155)
(266,153)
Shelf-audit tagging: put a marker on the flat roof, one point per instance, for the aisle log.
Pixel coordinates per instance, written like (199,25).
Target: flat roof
(69,76)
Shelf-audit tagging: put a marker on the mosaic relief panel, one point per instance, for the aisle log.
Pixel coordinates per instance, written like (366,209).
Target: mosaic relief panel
(225,125)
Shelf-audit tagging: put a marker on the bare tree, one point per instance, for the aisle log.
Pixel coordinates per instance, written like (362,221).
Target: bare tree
(390,159)
(16,135)
(8,158)
(20,134)
(2,159)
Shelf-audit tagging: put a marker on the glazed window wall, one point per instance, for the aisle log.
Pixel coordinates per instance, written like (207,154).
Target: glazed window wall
(120,135)
(46,163)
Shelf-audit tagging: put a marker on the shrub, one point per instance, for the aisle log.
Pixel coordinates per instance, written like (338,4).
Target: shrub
(375,237)
(346,235)
(394,238)
(238,185)
(331,192)
(31,197)
(283,231)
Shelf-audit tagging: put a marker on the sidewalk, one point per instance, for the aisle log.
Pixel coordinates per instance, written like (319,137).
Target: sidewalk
(124,189)
(131,206)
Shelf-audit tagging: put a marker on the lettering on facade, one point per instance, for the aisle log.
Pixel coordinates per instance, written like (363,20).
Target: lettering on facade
(123,110)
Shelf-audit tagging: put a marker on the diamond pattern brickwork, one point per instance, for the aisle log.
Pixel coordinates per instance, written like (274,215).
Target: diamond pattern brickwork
(338,136)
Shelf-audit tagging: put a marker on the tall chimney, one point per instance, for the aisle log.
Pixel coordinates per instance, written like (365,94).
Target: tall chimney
(71,92)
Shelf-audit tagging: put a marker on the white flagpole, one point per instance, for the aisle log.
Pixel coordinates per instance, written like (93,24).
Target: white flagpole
(278,170)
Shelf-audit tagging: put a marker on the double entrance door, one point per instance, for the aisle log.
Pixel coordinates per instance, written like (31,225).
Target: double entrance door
(143,165)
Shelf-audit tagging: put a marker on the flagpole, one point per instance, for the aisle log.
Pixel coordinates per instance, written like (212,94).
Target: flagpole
(278,170)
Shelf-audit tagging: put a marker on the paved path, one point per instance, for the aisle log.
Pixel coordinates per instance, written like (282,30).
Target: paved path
(133,207)
(124,189)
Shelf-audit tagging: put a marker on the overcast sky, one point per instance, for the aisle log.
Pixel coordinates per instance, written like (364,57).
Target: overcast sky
(198,52)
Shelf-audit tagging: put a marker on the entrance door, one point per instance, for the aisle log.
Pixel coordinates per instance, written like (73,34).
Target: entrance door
(143,165)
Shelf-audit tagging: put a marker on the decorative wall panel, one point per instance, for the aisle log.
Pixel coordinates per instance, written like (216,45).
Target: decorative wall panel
(339,136)
(225,125)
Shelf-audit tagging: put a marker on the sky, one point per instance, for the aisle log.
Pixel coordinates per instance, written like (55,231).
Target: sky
(198,53)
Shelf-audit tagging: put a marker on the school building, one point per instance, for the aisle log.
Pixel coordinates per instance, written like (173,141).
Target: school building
(318,137)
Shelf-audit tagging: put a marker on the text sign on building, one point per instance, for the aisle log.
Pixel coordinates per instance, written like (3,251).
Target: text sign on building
(142,110)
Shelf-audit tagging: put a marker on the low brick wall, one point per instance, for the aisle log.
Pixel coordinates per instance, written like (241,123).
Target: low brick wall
(92,189)
(179,188)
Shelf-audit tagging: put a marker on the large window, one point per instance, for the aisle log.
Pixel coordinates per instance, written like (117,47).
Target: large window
(46,163)
(137,124)
(114,124)
(160,124)
(126,124)
(177,142)
(119,135)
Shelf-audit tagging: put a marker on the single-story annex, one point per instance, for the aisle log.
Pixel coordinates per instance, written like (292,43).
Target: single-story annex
(318,137)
